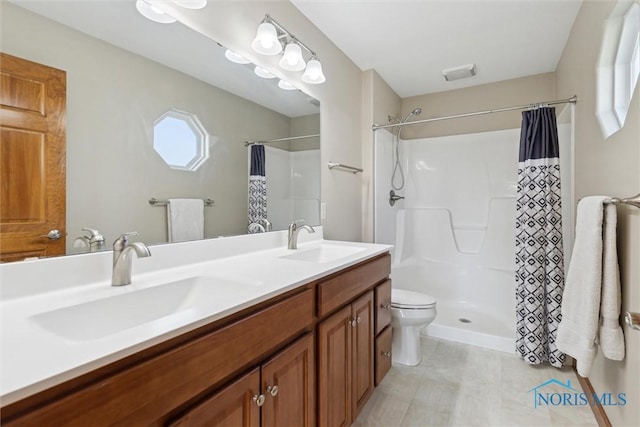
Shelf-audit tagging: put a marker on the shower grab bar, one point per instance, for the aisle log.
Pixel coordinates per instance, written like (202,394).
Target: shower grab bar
(632,201)
(155,202)
(352,169)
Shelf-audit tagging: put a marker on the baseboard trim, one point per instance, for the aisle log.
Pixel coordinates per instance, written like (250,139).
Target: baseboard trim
(597,409)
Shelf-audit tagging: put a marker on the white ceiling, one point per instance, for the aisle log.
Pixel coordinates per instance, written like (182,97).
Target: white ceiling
(409,43)
(174,45)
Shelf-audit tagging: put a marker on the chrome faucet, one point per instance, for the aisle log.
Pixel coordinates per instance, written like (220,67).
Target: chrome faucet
(267,224)
(294,229)
(122,258)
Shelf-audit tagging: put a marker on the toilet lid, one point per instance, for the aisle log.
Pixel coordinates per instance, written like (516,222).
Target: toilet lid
(401,298)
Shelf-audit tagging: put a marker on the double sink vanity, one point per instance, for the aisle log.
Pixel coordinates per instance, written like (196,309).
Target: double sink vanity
(239,331)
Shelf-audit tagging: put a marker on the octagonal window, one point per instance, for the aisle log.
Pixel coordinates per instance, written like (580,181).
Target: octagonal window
(618,66)
(181,140)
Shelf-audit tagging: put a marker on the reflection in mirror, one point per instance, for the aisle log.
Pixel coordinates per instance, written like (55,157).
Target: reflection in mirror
(123,73)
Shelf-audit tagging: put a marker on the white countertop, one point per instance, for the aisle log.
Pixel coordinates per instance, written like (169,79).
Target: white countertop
(33,358)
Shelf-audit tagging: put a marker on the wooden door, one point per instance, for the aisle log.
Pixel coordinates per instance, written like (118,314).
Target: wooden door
(334,370)
(32,159)
(233,406)
(288,384)
(362,357)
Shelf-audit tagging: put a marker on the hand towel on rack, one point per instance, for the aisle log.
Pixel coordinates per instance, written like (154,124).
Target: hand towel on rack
(185,219)
(592,289)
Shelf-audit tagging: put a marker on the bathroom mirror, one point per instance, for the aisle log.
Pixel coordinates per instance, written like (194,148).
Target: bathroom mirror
(124,72)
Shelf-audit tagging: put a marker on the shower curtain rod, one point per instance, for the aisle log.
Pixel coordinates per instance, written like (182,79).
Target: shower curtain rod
(269,141)
(571,100)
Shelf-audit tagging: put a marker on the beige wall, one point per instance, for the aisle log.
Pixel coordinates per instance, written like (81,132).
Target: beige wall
(379,101)
(234,24)
(305,125)
(609,167)
(507,93)
(113,98)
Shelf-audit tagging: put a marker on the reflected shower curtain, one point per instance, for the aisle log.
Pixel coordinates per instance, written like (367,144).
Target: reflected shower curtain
(257,189)
(539,254)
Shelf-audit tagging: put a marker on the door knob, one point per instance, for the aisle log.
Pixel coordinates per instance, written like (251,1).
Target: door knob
(259,399)
(272,390)
(52,235)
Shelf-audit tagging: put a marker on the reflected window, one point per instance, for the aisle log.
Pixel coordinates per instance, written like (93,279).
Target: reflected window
(181,140)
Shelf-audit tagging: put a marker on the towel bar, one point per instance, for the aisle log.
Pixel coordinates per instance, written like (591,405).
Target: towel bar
(633,201)
(155,202)
(352,169)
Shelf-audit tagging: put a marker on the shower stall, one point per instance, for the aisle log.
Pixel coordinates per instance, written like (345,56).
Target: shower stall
(454,231)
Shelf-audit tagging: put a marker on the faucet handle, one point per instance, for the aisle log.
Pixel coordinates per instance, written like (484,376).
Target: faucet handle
(123,240)
(95,237)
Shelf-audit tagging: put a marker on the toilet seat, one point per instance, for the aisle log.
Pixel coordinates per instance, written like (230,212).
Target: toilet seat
(401,298)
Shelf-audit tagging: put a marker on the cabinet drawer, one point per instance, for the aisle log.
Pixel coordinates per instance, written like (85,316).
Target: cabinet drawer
(340,290)
(383,354)
(145,392)
(383,306)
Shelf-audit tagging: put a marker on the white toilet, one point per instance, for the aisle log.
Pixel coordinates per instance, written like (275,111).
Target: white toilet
(410,312)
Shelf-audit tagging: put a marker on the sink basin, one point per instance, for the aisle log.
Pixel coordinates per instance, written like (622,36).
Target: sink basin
(106,316)
(324,253)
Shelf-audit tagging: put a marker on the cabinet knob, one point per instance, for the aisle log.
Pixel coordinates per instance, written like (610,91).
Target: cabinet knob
(272,390)
(353,322)
(386,306)
(358,319)
(259,399)
(386,354)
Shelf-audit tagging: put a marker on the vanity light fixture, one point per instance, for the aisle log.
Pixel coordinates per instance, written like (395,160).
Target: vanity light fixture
(234,57)
(292,59)
(269,41)
(283,84)
(191,4)
(149,9)
(313,74)
(262,72)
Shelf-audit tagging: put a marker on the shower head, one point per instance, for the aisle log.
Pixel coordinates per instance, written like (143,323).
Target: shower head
(414,112)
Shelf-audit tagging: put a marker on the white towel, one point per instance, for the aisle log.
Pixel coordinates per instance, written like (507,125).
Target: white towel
(185,219)
(592,288)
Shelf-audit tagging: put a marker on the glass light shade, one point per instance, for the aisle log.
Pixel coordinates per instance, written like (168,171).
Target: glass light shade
(191,4)
(292,59)
(266,41)
(234,57)
(313,74)
(283,84)
(261,72)
(149,11)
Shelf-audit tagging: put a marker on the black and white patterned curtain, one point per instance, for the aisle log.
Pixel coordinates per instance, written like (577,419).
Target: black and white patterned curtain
(539,254)
(257,188)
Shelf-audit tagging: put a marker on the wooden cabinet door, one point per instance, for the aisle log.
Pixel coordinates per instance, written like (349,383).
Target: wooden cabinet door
(233,406)
(32,159)
(334,370)
(288,384)
(362,356)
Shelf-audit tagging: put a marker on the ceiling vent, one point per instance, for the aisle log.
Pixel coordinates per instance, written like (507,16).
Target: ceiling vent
(457,73)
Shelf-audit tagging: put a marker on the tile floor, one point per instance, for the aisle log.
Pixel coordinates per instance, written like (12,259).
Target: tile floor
(463,385)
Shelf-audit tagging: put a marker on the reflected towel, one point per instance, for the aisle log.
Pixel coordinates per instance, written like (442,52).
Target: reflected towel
(185,219)
(592,289)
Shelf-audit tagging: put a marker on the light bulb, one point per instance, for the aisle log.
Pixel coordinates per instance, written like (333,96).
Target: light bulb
(313,74)
(234,57)
(191,4)
(266,41)
(292,59)
(149,11)
(283,84)
(261,72)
